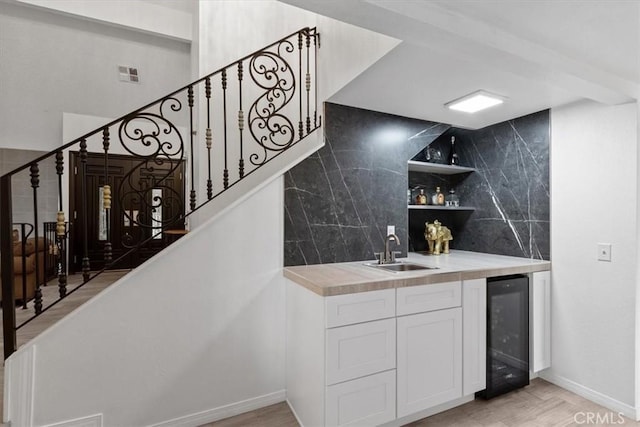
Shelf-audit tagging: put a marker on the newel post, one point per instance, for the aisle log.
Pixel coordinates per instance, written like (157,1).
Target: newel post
(6,267)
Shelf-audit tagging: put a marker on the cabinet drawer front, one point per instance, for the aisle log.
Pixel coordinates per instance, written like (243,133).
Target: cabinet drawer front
(417,299)
(366,401)
(361,307)
(358,350)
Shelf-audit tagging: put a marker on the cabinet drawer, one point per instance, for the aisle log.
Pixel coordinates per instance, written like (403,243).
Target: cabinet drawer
(417,299)
(366,401)
(361,307)
(358,350)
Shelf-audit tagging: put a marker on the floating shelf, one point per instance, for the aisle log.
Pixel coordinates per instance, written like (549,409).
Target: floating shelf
(440,208)
(415,166)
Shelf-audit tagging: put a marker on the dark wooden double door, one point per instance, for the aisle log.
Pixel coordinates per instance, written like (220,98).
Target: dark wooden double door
(135,187)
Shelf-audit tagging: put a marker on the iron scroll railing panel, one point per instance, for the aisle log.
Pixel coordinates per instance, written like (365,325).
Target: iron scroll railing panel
(128,182)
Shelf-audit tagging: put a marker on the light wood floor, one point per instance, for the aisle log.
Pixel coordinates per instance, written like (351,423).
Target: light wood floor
(540,404)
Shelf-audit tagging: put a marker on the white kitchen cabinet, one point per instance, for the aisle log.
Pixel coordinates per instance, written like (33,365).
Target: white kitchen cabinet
(341,357)
(474,335)
(429,362)
(540,320)
(367,401)
(395,355)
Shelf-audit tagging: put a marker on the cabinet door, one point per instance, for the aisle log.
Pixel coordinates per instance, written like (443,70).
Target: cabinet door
(474,333)
(540,320)
(429,363)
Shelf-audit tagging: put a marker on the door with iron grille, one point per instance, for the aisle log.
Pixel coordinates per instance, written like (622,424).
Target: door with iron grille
(147,196)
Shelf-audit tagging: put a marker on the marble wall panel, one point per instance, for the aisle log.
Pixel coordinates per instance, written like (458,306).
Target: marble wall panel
(339,201)
(510,189)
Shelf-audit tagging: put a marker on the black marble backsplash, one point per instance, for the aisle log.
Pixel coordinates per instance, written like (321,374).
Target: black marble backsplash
(339,201)
(510,190)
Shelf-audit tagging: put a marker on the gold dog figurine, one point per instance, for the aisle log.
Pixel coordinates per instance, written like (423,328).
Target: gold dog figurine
(438,237)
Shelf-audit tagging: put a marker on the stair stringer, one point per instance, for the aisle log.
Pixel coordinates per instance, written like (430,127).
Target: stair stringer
(192,335)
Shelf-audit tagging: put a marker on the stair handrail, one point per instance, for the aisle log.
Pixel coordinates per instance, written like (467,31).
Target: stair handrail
(267,121)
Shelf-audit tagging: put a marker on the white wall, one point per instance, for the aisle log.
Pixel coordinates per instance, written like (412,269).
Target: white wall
(594,199)
(230,30)
(196,328)
(22,192)
(346,50)
(166,18)
(54,63)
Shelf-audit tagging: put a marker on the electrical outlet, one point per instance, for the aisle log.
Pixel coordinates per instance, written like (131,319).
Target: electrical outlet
(391,229)
(604,252)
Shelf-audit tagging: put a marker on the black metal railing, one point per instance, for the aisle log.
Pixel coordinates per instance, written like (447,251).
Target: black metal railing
(126,181)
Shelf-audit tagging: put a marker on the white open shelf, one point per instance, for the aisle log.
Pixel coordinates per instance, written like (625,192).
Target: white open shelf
(415,166)
(441,208)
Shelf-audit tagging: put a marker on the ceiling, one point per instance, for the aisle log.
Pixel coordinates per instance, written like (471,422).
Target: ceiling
(537,53)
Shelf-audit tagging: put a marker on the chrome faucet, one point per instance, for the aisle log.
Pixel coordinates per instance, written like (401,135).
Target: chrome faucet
(388,256)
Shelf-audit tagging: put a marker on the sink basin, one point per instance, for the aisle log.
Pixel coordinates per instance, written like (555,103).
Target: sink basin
(401,266)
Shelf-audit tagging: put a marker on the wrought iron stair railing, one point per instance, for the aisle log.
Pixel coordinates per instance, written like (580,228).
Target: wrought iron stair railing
(278,83)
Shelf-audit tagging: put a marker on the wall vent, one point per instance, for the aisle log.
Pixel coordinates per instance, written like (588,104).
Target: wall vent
(128,74)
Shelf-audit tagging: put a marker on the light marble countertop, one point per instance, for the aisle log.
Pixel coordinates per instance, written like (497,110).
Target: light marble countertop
(352,277)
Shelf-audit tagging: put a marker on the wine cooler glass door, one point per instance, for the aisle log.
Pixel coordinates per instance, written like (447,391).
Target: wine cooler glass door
(507,334)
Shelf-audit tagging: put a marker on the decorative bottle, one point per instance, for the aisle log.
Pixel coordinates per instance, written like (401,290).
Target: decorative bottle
(421,199)
(439,197)
(453,155)
(453,200)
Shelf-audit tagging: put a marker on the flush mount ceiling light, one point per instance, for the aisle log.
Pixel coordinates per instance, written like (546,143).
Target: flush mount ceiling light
(474,102)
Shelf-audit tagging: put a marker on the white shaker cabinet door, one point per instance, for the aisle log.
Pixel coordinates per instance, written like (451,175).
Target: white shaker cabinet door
(429,363)
(474,333)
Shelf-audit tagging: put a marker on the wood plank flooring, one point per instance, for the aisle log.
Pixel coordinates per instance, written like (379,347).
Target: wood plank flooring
(541,404)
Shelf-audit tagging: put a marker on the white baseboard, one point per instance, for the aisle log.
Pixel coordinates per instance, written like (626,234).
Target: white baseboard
(293,411)
(90,421)
(19,373)
(592,395)
(215,414)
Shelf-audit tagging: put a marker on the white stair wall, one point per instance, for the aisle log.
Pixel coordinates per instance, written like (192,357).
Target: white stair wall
(197,328)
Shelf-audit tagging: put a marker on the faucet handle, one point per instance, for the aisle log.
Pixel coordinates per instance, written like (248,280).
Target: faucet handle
(393,255)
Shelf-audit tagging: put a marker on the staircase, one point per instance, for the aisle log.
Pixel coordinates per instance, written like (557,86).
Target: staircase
(232,132)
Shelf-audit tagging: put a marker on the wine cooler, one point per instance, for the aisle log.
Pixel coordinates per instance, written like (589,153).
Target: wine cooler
(507,335)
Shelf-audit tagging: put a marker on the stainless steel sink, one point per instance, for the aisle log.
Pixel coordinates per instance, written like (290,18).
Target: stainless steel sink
(401,266)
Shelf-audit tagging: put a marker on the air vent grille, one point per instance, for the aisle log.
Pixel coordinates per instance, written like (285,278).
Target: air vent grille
(128,74)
